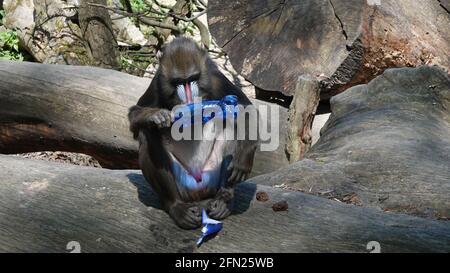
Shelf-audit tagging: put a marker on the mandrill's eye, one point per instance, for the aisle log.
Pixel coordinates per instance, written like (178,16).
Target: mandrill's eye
(194,78)
(176,82)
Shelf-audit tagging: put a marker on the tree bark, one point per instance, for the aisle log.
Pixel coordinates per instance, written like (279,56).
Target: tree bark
(68,108)
(96,28)
(44,206)
(301,115)
(83,109)
(179,9)
(386,145)
(341,43)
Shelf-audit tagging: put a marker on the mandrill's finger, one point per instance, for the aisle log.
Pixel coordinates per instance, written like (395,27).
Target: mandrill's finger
(165,122)
(169,115)
(161,116)
(172,116)
(245,176)
(166,116)
(156,119)
(241,176)
(230,167)
(169,119)
(233,176)
(238,177)
(230,179)
(162,119)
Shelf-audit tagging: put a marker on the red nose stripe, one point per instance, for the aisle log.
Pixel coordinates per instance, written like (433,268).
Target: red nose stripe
(187,89)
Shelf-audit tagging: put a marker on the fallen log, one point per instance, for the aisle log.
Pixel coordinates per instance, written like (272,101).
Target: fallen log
(46,207)
(341,43)
(386,145)
(82,109)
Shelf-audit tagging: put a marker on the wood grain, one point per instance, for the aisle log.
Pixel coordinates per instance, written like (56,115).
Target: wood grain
(45,205)
(84,109)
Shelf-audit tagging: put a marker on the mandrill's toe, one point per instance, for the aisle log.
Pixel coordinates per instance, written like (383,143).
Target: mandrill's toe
(186,216)
(219,209)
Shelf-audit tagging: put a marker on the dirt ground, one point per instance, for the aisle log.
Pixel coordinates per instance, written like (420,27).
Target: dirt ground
(64,157)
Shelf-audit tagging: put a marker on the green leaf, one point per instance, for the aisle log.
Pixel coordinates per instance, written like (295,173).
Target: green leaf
(9,46)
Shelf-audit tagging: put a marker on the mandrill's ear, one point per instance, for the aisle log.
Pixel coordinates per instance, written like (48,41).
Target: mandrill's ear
(159,54)
(203,56)
(203,47)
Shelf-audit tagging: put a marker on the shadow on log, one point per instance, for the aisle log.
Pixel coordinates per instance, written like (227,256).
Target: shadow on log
(45,205)
(386,145)
(342,43)
(83,109)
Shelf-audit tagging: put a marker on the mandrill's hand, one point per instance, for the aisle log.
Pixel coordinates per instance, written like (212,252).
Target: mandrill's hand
(239,172)
(240,169)
(162,118)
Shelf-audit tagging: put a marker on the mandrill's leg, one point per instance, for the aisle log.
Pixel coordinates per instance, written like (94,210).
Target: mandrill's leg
(221,205)
(155,165)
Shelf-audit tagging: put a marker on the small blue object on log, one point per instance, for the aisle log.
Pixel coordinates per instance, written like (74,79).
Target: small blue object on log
(210,227)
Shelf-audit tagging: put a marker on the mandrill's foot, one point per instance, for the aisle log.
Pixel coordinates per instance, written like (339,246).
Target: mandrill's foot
(218,209)
(221,206)
(186,216)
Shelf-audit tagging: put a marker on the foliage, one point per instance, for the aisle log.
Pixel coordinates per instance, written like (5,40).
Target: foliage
(139,5)
(135,60)
(9,42)
(9,46)
(2,15)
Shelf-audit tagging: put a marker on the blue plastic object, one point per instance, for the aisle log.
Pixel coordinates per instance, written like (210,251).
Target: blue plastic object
(210,227)
(227,106)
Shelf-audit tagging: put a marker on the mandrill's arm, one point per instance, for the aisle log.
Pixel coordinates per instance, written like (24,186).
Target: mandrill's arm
(147,116)
(242,162)
(148,113)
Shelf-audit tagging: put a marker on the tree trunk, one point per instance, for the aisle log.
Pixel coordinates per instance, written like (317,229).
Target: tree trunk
(96,28)
(83,109)
(48,30)
(341,43)
(386,145)
(445,4)
(44,206)
(180,8)
(301,115)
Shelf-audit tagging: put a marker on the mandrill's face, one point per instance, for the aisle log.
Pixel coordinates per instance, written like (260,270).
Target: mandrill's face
(183,70)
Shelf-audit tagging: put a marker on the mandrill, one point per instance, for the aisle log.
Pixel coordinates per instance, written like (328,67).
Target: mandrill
(189,175)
